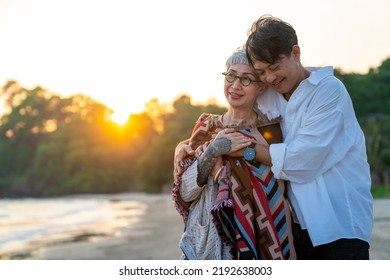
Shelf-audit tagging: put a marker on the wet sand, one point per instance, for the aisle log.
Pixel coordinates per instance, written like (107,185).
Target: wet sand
(156,234)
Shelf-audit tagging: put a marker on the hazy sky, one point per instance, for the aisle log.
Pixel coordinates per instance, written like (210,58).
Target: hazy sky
(125,52)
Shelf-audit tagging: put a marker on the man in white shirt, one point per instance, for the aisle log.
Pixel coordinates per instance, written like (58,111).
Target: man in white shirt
(323,154)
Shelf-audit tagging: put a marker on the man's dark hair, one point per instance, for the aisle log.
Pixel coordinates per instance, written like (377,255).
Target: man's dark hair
(269,38)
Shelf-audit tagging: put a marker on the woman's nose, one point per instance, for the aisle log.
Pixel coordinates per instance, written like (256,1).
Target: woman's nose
(237,83)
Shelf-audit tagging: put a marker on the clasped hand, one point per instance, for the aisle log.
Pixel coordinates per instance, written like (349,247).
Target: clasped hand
(237,143)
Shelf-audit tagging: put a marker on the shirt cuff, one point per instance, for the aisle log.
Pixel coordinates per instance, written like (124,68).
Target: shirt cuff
(278,152)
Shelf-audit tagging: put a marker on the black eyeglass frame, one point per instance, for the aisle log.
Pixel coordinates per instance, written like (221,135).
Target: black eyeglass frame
(240,78)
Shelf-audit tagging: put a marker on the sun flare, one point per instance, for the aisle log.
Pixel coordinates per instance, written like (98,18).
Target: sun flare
(119,117)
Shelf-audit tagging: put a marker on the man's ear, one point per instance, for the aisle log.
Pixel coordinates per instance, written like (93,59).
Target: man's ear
(262,88)
(296,52)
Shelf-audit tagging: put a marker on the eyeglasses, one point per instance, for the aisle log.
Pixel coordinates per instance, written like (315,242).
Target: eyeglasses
(244,80)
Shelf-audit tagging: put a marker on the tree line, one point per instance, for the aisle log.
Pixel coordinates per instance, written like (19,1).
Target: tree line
(52,145)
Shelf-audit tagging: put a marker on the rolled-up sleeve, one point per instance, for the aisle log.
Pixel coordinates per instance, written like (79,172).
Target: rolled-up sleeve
(278,152)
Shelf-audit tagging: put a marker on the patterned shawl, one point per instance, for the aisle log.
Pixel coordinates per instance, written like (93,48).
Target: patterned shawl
(250,210)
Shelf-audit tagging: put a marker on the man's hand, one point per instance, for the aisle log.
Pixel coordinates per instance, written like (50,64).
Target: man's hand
(181,152)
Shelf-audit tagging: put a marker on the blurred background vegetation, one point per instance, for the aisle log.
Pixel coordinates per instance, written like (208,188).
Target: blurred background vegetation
(52,145)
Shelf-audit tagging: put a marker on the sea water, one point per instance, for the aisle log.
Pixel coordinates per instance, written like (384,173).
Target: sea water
(30,223)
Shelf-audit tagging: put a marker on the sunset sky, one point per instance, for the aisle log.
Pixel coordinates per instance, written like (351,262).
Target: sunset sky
(124,53)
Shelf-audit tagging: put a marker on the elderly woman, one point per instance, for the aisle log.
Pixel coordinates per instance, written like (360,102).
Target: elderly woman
(233,207)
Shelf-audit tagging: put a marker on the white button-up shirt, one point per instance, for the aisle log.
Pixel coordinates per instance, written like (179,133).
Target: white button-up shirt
(323,156)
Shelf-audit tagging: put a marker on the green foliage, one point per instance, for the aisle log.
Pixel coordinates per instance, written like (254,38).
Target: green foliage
(381,191)
(377,130)
(371,92)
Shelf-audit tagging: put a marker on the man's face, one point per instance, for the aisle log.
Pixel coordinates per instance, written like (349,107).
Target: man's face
(282,75)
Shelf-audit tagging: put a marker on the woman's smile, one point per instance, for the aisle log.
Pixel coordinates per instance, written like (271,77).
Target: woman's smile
(235,95)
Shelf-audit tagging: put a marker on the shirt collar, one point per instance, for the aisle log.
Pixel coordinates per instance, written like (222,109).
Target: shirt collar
(319,73)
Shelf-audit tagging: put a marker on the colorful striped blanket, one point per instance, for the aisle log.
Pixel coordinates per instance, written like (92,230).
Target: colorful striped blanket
(251,212)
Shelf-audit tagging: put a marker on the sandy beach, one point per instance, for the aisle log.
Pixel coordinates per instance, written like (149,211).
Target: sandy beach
(154,234)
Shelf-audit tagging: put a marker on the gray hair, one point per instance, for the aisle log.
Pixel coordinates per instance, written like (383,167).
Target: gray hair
(238,57)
